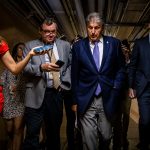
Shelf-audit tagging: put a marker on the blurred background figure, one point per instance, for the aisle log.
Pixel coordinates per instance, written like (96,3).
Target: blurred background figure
(139,85)
(77,133)
(77,38)
(13,110)
(123,115)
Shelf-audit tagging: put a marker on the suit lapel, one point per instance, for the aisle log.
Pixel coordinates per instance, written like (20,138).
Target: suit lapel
(146,44)
(59,49)
(88,52)
(105,50)
(42,57)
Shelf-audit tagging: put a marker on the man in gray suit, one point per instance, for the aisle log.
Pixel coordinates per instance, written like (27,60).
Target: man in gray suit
(43,101)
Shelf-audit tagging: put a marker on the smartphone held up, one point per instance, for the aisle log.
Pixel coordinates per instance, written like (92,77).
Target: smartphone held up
(43,49)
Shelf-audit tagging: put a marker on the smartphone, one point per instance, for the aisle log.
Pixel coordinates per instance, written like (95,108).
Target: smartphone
(38,49)
(43,48)
(60,63)
(48,47)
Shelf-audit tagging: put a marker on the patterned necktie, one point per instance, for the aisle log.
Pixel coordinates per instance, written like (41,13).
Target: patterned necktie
(56,79)
(96,55)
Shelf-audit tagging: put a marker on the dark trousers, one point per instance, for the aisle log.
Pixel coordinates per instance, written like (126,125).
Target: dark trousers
(67,96)
(121,123)
(51,112)
(144,120)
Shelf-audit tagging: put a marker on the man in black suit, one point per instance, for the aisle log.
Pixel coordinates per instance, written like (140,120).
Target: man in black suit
(139,83)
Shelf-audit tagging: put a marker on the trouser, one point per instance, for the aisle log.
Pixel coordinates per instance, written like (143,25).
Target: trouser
(144,120)
(121,123)
(95,128)
(67,96)
(51,112)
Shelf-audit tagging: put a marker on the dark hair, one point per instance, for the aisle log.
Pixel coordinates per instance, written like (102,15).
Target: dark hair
(125,43)
(48,21)
(15,49)
(77,38)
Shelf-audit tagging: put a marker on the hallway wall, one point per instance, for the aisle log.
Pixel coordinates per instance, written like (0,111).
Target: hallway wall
(14,29)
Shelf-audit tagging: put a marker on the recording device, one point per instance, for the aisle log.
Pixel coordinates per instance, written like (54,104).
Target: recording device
(60,63)
(44,48)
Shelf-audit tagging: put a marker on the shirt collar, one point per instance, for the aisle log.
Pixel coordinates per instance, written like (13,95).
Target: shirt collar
(99,41)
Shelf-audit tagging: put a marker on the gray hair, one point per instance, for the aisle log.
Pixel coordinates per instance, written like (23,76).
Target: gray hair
(94,17)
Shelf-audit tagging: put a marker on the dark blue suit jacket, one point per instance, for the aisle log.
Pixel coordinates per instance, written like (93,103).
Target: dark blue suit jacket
(85,75)
(139,67)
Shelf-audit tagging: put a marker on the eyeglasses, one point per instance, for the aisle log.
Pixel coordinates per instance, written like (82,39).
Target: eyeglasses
(47,32)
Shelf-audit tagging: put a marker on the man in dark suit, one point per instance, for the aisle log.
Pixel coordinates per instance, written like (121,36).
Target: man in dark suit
(43,97)
(139,83)
(97,75)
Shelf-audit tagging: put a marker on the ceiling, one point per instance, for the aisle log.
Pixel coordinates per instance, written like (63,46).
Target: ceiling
(124,19)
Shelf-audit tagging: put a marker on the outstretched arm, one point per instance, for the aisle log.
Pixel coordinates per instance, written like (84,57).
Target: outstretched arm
(11,64)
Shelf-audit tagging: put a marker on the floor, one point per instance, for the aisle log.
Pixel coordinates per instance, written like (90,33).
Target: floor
(132,132)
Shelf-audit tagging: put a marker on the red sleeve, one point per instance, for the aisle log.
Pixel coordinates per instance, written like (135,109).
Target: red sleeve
(3,47)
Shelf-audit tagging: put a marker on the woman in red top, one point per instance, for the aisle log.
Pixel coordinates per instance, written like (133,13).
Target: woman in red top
(8,61)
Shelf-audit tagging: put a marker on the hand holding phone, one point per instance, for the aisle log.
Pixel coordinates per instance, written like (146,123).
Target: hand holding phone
(60,63)
(38,49)
(41,49)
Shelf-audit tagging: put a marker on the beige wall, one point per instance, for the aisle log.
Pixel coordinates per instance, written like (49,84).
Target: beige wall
(14,30)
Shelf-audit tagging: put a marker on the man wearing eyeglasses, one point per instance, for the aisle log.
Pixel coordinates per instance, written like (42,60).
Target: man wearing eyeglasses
(43,97)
